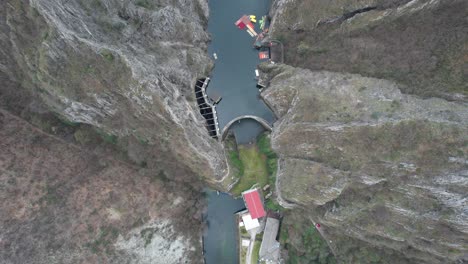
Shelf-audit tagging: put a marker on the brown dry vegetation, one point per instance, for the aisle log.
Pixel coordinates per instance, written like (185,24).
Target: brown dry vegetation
(64,202)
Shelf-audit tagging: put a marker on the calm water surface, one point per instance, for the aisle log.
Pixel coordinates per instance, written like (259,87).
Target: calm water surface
(220,238)
(234,74)
(234,79)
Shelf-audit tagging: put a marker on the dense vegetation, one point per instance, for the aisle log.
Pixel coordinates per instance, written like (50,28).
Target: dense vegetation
(304,243)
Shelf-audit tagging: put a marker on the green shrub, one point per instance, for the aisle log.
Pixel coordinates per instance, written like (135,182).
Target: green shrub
(264,146)
(107,54)
(144,3)
(108,138)
(303,48)
(272,205)
(375,115)
(236,162)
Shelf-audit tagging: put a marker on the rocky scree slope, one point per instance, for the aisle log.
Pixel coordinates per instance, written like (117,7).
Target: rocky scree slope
(125,67)
(384,173)
(421,44)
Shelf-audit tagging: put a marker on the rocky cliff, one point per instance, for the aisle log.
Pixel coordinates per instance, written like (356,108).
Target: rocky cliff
(384,173)
(381,163)
(125,67)
(120,179)
(421,44)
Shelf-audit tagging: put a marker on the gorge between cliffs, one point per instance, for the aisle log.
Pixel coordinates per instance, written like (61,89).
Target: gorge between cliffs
(105,157)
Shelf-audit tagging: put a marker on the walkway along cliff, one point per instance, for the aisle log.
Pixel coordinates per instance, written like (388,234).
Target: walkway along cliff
(207,107)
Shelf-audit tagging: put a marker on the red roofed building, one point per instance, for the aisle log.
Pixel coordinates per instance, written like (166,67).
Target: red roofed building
(254,203)
(240,24)
(243,22)
(263,55)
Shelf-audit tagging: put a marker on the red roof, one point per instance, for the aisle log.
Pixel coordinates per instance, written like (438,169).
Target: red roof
(243,22)
(240,24)
(263,55)
(254,204)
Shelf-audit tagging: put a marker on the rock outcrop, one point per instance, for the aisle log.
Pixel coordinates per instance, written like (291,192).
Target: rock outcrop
(96,71)
(384,173)
(125,67)
(421,44)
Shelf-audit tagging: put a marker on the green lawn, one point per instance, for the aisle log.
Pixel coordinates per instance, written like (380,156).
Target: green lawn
(256,252)
(264,146)
(255,169)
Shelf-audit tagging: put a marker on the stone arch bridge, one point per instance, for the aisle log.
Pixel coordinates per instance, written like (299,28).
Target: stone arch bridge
(260,120)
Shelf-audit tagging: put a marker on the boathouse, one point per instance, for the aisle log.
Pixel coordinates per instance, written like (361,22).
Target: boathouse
(254,203)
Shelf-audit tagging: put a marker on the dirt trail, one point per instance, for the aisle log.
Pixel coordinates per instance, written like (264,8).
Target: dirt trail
(248,258)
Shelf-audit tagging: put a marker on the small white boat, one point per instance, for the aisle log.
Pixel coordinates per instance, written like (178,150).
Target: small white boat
(257,73)
(215,56)
(217,192)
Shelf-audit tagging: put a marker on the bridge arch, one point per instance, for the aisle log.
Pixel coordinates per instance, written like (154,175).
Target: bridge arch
(260,120)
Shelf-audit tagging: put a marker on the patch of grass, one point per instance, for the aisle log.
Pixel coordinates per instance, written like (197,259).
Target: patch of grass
(254,167)
(259,236)
(272,205)
(243,231)
(256,252)
(264,146)
(236,162)
(284,237)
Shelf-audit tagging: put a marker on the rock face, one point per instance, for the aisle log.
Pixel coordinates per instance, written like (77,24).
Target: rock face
(125,67)
(384,173)
(421,44)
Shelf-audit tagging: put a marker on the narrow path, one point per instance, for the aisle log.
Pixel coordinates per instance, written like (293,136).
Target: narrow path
(248,258)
